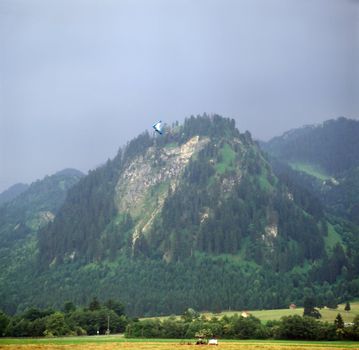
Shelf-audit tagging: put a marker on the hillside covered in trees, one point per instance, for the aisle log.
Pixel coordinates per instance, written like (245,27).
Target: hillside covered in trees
(199,217)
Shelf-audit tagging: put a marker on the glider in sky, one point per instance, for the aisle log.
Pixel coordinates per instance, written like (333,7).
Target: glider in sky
(158,127)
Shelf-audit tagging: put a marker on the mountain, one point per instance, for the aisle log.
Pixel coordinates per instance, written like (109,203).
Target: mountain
(12,192)
(197,217)
(35,206)
(205,188)
(323,150)
(25,214)
(326,158)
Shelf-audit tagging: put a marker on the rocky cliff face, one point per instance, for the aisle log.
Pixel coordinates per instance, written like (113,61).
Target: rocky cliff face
(156,167)
(143,186)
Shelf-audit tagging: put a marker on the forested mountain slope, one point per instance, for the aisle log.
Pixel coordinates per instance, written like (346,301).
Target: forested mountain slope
(326,158)
(23,216)
(197,218)
(331,147)
(36,206)
(12,192)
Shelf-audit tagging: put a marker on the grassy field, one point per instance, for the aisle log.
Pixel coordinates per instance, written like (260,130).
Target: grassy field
(118,342)
(332,238)
(310,169)
(328,315)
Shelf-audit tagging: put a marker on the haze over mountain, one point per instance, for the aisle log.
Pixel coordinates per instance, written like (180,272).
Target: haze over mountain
(199,217)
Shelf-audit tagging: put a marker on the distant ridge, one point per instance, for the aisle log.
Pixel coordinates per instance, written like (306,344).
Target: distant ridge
(12,192)
(332,145)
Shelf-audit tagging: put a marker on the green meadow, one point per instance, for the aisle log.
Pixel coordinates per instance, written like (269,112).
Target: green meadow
(328,315)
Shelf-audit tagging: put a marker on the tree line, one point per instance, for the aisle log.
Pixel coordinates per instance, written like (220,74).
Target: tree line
(96,318)
(109,317)
(192,325)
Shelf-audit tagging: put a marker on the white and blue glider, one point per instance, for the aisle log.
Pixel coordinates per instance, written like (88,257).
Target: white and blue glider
(158,127)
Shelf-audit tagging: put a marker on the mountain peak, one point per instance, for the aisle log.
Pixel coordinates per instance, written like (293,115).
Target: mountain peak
(69,172)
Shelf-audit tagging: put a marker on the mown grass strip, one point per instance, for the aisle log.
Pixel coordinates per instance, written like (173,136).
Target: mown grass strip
(121,339)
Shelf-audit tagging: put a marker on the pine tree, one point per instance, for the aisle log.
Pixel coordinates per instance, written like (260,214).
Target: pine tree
(339,323)
(309,310)
(94,304)
(309,305)
(347,307)
(69,307)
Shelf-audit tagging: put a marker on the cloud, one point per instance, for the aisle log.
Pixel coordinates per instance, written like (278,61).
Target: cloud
(72,73)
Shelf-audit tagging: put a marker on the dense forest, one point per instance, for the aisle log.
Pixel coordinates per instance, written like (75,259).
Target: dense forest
(200,218)
(326,162)
(332,145)
(12,192)
(31,209)
(33,206)
(96,318)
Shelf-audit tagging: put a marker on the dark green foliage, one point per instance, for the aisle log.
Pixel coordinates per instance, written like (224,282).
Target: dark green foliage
(309,308)
(331,300)
(94,304)
(33,313)
(213,126)
(238,327)
(296,327)
(144,329)
(333,145)
(115,306)
(85,321)
(134,148)
(18,328)
(245,328)
(304,328)
(172,328)
(97,320)
(235,327)
(88,208)
(25,213)
(343,198)
(4,321)
(12,192)
(352,332)
(347,306)
(339,323)
(55,325)
(153,287)
(189,315)
(69,307)
(36,323)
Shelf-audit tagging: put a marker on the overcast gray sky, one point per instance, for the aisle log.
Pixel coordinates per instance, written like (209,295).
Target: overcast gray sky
(79,78)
